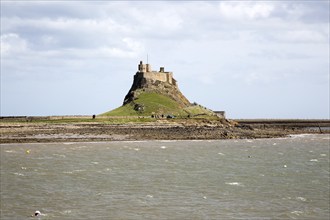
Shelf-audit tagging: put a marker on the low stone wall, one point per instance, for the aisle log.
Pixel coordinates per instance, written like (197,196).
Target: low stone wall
(23,118)
(286,124)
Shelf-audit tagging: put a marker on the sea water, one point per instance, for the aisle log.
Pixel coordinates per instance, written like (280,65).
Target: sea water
(284,178)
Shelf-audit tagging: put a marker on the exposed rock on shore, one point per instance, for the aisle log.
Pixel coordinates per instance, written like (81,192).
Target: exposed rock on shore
(77,132)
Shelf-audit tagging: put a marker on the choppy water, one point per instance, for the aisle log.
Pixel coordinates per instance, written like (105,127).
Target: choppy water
(226,179)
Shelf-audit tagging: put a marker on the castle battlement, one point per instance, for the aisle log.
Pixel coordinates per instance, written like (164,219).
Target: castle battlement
(145,71)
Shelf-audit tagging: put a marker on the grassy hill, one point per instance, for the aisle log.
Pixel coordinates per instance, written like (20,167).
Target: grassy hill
(151,103)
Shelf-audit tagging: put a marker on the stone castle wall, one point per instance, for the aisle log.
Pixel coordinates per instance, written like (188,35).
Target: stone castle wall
(163,77)
(144,71)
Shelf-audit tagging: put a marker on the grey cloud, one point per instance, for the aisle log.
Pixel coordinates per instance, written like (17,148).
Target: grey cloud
(51,9)
(304,11)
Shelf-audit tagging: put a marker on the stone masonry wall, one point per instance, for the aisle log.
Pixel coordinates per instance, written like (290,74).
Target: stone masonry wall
(160,76)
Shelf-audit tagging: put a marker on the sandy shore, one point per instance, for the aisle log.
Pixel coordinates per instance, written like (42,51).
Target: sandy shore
(78,132)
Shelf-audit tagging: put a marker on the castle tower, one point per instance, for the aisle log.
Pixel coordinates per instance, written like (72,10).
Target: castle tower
(144,67)
(148,67)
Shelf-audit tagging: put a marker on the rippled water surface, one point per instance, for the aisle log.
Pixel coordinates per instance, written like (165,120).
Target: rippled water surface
(226,179)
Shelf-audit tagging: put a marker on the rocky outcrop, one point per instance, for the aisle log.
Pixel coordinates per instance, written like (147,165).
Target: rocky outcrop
(142,84)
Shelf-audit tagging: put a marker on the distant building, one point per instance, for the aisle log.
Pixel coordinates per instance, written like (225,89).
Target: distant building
(220,114)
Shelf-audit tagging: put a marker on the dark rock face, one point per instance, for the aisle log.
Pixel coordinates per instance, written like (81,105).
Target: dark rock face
(142,84)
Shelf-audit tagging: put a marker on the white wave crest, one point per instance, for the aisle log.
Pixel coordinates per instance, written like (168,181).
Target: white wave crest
(234,184)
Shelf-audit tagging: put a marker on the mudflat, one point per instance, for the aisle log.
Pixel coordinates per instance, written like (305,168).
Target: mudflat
(31,132)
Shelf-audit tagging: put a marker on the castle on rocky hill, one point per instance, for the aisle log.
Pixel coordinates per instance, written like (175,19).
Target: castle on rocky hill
(161,82)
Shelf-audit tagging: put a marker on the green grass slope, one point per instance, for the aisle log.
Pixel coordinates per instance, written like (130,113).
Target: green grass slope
(154,103)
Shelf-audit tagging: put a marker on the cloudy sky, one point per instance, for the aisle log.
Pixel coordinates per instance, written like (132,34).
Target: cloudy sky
(253,59)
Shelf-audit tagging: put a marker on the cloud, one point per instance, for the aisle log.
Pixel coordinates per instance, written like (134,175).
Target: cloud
(258,78)
(245,10)
(158,21)
(12,43)
(302,36)
(307,12)
(66,32)
(131,49)
(298,11)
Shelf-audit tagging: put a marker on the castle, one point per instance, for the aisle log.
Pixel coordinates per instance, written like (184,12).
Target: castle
(161,82)
(144,71)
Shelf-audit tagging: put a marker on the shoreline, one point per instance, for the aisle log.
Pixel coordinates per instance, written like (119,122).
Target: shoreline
(165,140)
(46,132)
